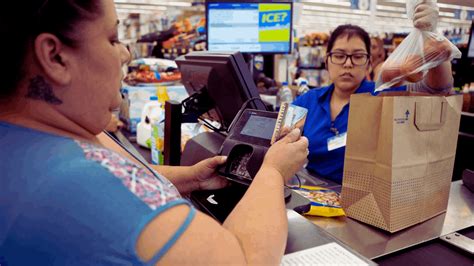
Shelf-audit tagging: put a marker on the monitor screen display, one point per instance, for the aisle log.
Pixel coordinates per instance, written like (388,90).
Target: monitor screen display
(259,127)
(249,27)
(470,49)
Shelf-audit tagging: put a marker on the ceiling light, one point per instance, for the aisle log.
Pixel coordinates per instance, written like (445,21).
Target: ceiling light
(336,10)
(156,3)
(143,7)
(391,8)
(329,2)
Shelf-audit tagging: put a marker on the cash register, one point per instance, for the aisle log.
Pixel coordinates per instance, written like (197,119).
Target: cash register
(220,85)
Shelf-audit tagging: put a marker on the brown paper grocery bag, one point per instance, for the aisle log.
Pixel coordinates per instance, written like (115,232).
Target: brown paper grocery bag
(399,158)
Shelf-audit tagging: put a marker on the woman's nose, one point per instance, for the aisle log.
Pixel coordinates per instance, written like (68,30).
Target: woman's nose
(348,62)
(125,54)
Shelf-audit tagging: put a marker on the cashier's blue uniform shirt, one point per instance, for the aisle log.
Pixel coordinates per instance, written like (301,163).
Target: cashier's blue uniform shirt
(67,202)
(317,129)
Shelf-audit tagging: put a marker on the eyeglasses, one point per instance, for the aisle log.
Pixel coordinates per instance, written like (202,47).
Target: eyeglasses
(358,59)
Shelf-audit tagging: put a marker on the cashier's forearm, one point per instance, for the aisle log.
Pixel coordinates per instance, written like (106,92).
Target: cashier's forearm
(440,77)
(259,220)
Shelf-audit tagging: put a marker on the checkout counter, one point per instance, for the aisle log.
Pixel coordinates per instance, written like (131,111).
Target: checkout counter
(446,238)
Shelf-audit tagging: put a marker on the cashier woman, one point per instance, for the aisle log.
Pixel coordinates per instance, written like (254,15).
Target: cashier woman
(347,62)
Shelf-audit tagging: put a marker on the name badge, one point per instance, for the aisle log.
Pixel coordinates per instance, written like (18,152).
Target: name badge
(337,142)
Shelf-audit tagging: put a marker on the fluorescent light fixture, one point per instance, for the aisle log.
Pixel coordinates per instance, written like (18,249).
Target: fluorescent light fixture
(142,7)
(446,14)
(391,15)
(396,1)
(176,3)
(134,11)
(329,2)
(156,3)
(391,8)
(455,21)
(335,10)
(320,14)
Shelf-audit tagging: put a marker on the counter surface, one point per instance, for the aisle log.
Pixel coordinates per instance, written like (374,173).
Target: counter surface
(372,242)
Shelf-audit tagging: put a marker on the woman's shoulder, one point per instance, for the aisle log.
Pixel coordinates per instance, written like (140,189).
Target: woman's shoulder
(61,161)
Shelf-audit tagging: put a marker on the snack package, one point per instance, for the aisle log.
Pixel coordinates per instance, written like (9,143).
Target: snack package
(324,202)
(420,51)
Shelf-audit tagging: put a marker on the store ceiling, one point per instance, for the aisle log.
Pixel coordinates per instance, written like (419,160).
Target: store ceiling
(459,2)
(385,16)
(450,3)
(468,3)
(324,15)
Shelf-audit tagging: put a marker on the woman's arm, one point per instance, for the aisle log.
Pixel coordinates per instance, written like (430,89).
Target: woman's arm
(186,178)
(201,176)
(440,78)
(254,233)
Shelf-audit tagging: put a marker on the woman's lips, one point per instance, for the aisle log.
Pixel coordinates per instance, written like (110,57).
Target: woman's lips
(347,75)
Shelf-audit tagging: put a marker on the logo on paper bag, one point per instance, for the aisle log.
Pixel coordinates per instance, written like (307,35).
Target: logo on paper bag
(404,119)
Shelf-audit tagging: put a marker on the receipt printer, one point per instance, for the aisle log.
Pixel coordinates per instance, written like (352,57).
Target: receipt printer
(245,146)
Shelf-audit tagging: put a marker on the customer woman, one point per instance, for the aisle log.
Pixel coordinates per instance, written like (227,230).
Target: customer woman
(377,57)
(67,200)
(347,61)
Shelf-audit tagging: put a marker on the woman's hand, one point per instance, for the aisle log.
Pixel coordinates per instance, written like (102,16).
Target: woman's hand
(439,79)
(426,15)
(287,155)
(205,175)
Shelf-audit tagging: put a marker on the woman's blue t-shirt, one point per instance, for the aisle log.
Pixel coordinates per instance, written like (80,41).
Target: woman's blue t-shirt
(67,202)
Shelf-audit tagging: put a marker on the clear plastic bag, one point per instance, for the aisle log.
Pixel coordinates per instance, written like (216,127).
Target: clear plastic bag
(420,51)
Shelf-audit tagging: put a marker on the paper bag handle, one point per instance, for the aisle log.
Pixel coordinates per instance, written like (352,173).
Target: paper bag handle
(428,118)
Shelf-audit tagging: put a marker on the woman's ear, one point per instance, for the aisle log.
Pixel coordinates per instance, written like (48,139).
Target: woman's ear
(53,59)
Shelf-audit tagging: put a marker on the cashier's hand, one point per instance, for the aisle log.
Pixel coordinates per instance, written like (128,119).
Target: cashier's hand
(287,155)
(426,15)
(206,176)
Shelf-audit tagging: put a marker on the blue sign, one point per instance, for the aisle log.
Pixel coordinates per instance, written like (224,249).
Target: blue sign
(360,4)
(470,15)
(457,13)
(464,14)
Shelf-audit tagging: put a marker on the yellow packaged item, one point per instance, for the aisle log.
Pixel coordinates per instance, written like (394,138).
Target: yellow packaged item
(324,202)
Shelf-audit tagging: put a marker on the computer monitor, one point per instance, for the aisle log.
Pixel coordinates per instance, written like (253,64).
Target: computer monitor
(470,47)
(221,81)
(249,26)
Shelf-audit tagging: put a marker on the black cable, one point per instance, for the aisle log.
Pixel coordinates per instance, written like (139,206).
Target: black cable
(299,180)
(244,106)
(212,127)
(253,99)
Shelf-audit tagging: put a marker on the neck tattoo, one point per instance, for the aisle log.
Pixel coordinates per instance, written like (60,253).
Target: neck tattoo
(39,89)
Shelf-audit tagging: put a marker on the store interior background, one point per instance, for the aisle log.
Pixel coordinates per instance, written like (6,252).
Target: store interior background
(169,29)
(312,22)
